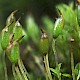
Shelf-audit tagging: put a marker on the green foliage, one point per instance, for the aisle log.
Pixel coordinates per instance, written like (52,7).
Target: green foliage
(77,70)
(69,15)
(78,13)
(49,26)
(54,41)
(32,29)
(66,75)
(57,71)
(71,30)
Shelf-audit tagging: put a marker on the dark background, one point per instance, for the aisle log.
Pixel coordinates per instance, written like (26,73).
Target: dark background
(37,8)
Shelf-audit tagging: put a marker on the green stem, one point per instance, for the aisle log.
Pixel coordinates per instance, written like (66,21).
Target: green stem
(46,62)
(54,50)
(55,53)
(5,68)
(46,76)
(72,60)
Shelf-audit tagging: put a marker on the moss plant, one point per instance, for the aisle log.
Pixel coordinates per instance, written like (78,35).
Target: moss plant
(11,38)
(56,32)
(72,59)
(47,69)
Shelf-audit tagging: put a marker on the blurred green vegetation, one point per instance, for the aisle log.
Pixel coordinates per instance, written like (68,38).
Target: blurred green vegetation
(42,15)
(37,8)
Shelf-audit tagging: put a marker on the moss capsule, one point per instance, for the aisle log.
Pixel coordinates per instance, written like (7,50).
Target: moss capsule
(13,53)
(18,30)
(5,39)
(44,43)
(58,26)
(10,19)
(12,50)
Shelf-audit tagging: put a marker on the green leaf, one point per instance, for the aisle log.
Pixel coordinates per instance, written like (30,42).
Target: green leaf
(77,68)
(66,75)
(78,76)
(57,70)
(49,24)
(78,13)
(58,67)
(26,37)
(53,70)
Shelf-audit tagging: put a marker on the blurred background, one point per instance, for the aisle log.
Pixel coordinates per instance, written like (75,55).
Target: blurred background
(29,52)
(36,8)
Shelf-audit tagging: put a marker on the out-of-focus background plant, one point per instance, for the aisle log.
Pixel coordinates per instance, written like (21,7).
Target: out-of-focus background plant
(38,22)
